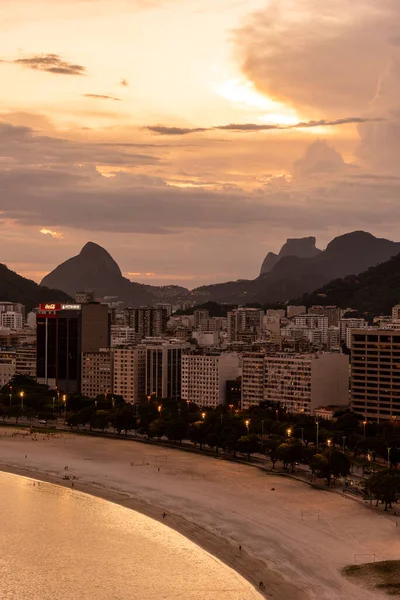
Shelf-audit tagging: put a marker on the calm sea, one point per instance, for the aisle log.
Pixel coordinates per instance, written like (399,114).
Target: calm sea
(57,543)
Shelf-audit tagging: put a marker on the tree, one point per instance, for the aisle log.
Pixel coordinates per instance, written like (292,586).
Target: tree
(384,486)
(290,452)
(271,446)
(157,429)
(331,463)
(176,430)
(100,420)
(249,444)
(197,433)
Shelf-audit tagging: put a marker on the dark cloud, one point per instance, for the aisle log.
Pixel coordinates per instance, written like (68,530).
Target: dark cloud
(101,97)
(165,130)
(50,63)
(249,127)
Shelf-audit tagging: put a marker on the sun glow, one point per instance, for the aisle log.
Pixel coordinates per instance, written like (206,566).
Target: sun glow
(244,94)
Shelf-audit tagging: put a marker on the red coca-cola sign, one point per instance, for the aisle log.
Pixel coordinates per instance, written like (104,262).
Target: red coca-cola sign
(50,306)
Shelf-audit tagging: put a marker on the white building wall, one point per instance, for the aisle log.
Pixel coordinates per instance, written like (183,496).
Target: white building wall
(329,380)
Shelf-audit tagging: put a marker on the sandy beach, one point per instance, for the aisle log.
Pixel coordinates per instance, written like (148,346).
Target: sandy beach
(294,538)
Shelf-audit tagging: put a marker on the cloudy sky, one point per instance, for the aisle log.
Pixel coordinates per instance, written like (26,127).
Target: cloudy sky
(191,137)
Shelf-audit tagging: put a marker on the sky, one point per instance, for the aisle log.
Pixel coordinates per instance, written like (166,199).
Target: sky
(191,137)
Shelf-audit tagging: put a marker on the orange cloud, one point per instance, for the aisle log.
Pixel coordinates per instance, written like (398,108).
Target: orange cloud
(57,235)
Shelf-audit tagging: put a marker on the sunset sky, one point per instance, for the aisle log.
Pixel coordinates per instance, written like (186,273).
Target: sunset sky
(191,137)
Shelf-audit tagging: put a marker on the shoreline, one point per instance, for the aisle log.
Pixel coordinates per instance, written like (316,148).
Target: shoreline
(250,568)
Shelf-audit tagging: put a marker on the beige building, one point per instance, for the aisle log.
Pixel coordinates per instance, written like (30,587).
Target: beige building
(375,373)
(253,379)
(129,373)
(244,324)
(303,382)
(26,360)
(204,377)
(96,373)
(7,366)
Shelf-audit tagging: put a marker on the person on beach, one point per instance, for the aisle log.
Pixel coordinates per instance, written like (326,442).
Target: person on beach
(240,548)
(164,515)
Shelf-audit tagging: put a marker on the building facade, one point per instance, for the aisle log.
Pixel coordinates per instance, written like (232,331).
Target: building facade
(303,382)
(7,366)
(253,379)
(129,372)
(375,373)
(204,377)
(163,368)
(12,320)
(96,373)
(26,360)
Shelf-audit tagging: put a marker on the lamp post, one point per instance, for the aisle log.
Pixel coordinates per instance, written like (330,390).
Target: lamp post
(159,408)
(203,415)
(329,442)
(188,406)
(10,394)
(277,414)
(247,423)
(365,425)
(54,400)
(344,439)
(317,423)
(64,398)
(22,394)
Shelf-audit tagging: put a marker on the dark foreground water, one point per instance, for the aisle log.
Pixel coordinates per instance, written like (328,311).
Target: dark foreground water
(60,544)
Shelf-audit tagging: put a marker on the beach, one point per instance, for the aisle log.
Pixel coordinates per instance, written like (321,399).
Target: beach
(293,538)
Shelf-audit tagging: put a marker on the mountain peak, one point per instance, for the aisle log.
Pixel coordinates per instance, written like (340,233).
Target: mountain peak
(93,248)
(299,247)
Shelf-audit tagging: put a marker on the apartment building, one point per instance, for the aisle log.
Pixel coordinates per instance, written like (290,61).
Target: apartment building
(12,320)
(7,366)
(244,324)
(163,367)
(96,373)
(129,372)
(26,360)
(253,379)
(375,373)
(302,382)
(205,376)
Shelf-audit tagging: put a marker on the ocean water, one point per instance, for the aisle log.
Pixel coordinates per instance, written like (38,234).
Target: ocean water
(61,544)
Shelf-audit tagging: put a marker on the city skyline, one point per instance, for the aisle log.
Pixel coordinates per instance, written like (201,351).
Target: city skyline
(173,132)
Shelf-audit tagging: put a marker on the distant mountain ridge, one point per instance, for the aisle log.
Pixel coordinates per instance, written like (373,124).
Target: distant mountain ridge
(300,247)
(95,269)
(14,288)
(374,292)
(289,277)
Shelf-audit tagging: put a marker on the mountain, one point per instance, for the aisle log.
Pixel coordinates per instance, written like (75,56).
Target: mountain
(374,292)
(300,247)
(95,269)
(292,276)
(14,288)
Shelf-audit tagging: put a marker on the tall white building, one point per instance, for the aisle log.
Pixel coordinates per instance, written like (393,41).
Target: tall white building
(303,382)
(204,377)
(314,322)
(11,320)
(253,379)
(129,366)
(124,336)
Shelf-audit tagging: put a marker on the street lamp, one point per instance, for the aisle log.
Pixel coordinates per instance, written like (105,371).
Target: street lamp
(277,414)
(148,399)
(203,415)
(289,432)
(317,423)
(64,398)
(329,442)
(10,394)
(188,405)
(365,424)
(159,408)
(22,394)
(247,423)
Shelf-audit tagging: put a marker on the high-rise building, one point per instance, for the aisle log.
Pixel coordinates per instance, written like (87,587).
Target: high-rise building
(347,325)
(375,373)
(96,373)
(26,360)
(12,307)
(244,324)
(396,313)
(204,377)
(11,320)
(200,315)
(253,379)
(302,382)
(163,367)
(129,373)
(124,336)
(64,332)
(147,321)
